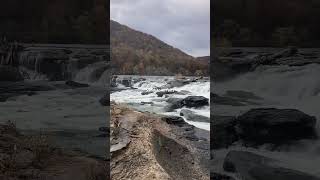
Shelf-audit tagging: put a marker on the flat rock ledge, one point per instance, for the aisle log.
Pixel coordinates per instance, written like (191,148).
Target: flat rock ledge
(146,146)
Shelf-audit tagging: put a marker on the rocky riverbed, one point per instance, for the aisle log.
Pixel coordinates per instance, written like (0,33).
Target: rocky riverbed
(186,97)
(61,92)
(265,118)
(35,158)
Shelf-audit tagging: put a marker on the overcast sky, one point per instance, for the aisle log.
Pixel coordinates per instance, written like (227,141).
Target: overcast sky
(184,24)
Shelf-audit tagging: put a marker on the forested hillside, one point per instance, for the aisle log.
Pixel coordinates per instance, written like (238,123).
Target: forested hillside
(54,21)
(276,23)
(134,52)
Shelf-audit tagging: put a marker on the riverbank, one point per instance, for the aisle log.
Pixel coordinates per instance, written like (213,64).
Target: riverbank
(149,146)
(36,157)
(265,115)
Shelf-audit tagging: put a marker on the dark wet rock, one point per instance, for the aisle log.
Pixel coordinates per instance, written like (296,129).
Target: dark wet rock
(191,116)
(114,81)
(236,161)
(76,84)
(161,93)
(145,103)
(146,92)
(8,73)
(174,103)
(217,176)
(104,129)
(290,51)
(105,100)
(127,82)
(276,126)
(251,166)
(230,62)
(190,101)
(195,101)
(105,132)
(224,133)
(174,120)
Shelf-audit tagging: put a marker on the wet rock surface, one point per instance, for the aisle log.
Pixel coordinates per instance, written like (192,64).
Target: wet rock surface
(263,126)
(190,101)
(252,166)
(277,126)
(190,115)
(105,100)
(230,62)
(224,133)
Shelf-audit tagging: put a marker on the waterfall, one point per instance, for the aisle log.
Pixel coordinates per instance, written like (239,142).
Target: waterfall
(96,73)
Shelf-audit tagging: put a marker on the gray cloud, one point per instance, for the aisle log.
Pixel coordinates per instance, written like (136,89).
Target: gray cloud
(184,24)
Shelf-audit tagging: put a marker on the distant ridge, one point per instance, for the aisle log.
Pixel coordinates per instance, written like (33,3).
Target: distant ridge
(135,52)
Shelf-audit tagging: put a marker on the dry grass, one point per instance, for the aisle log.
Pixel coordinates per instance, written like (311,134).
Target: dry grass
(94,171)
(41,148)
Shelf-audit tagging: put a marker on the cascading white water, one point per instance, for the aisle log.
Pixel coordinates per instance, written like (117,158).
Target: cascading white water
(280,87)
(291,87)
(151,84)
(96,73)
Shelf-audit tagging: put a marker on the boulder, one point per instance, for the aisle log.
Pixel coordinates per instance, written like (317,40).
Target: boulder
(195,101)
(290,51)
(174,103)
(9,73)
(144,103)
(127,82)
(223,131)
(105,100)
(76,84)
(190,101)
(161,93)
(146,92)
(114,81)
(191,116)
(174,120)
(275,126)
(251,166)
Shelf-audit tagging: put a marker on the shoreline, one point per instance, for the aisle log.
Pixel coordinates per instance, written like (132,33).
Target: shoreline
(160,143)
(36,157)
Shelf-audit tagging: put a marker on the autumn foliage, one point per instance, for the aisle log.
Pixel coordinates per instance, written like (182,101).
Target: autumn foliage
(134,52)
